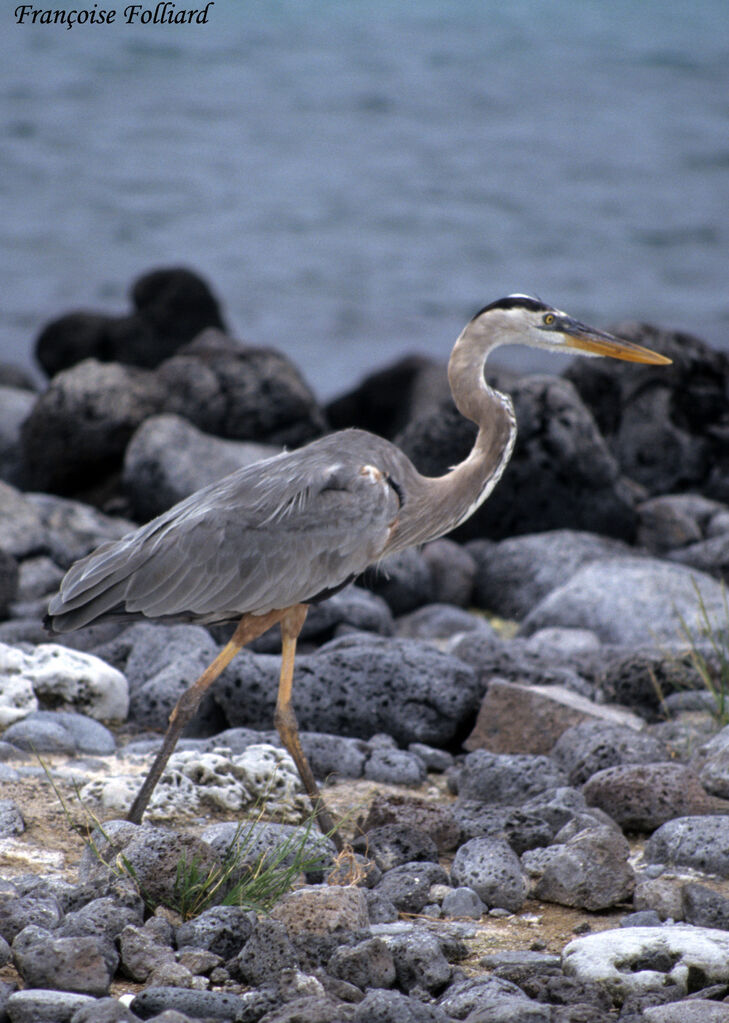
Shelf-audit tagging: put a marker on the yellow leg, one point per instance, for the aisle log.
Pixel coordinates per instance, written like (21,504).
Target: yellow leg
(249,627)
(285,719)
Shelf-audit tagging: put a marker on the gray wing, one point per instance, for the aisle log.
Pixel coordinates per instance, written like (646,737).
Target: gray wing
(268,536)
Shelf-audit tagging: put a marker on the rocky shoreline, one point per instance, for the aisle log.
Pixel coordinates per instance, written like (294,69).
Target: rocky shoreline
(523,724)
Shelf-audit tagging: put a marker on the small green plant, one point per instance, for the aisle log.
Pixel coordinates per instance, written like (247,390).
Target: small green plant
(712,670)
(255,882)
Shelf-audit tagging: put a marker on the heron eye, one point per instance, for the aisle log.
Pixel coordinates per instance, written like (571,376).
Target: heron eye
(548,320)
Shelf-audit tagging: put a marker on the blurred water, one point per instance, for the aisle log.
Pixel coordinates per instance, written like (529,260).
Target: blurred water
(356,179)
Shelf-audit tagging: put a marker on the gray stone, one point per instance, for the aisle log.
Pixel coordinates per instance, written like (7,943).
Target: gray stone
(394,767)
(630,601)
(22,531)
(412,811)
(463,901)
(74,529)
(419,962)
(8,582)
(265,954)
(438,760)
(522,829)
(18,913)
(661,895)
(704,907)
(515,574)
(641,918)
(439,621)
(492,869)
(141,954)
(592,746)
(168,458)
(45,1006)
(239,391)
(206,1004)
(698,842)
(711,761)
(15,406)
(403,580)
(452,572)
(491,998)
(690,1010)
(322,909)
(92,409)
(381,1006)
(672,521)
(391,845)
(263,842)
(221,929)
(104,1010)
(407,887)
(11,819)
(106,915)
(358,685)
(557,806)
(641,797)
(589,870)
(85,965)
(368,964)
(506,778)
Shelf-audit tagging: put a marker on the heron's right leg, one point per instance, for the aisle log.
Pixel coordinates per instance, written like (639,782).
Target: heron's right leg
(249,627)
(285,719)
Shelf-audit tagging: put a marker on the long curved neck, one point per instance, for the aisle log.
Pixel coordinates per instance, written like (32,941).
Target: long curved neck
(449,500)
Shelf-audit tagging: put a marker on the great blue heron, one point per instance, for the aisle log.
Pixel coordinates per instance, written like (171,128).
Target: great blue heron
(262,544)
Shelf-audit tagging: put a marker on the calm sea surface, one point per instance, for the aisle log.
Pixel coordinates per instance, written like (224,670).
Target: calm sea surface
(356,179)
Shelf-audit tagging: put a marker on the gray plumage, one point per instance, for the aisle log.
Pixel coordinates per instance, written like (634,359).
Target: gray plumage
(293,527)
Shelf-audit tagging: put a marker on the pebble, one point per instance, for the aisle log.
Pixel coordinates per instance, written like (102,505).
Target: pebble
(492,869)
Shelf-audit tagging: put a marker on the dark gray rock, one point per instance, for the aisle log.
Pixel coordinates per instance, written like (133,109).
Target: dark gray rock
(45,1006)
(240,392)
(513,575)
(674,521)
(666,425)
(698,842)
(358,685)
(394,767)
(380,1006)
(437,760)
(15,406)
(419,962)
(85,965)
(704,907)
(38,578)
(103,916)
(643,918)
(89,411)
(380,909)
(367,964)
(439,621)
(5,957)
(592,746)
(518,966)
(491,868)
(500,778)
(521,828)
(484,998)
(710,556)
(221,929)
(266,952)
(104,1010)
(556,806)
(407,887)
(171,306)
(561,474)
(73,529)
(168,458)
(28,910)
(463,901)
(452,572)
(641,797)
(9,575)
(513,660)
(410,811)
(589,870)
(196,1004)
(11,819)
(60,732)
(630,601)
(711,761)
(640,677)
(391,845)
(142,954)
(388,399)
(22,531)
(403,581)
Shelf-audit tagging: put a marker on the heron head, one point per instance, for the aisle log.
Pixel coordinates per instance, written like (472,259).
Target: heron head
(521,319)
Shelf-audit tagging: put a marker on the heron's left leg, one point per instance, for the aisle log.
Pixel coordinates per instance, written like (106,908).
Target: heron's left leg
(285,719)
